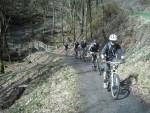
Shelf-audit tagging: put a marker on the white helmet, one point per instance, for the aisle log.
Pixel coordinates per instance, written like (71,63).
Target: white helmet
(94,43)
(113,37)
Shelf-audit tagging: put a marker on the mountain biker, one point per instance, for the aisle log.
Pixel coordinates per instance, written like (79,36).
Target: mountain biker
(83,44)
(76,48)
(66,45)
(83,47)
(109,53)
(94,48)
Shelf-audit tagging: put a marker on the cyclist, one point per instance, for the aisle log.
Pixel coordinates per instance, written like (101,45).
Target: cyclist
(109,53)
(83,48)
(76,48)
(94,49)
(66,45)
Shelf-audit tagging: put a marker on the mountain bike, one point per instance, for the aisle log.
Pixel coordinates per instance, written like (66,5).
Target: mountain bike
(100,67)
(84,53)
(95,61)
(113,80)
(66,52)
(76,52)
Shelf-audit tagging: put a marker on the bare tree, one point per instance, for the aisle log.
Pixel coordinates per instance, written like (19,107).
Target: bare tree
(83,15)
(97,3)
(53,28)
(89,12)
(103,30)
(3,30)
(62,24)
(74,18)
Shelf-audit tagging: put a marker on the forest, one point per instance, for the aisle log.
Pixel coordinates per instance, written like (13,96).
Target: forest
(37,77)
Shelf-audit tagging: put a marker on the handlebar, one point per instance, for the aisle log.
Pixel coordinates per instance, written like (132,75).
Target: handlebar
(94,52)
(110,62)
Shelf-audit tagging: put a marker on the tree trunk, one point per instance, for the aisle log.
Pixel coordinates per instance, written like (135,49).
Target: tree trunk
(32,30)
(44,21)
(103,30)
(2,67)
(43,29)
(2,54)
(83,14)
(2,40)
(97,3)
(86,23)
(90,17)
(62,24)
(74,18)
(53,29)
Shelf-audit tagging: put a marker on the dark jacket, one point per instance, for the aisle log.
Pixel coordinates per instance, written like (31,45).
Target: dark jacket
(76,45)
(94,47)
(66,46)
(111,51)
(83,44)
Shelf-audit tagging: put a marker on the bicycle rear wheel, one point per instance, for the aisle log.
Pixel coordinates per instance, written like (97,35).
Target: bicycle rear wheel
(66,52)
(84,54)
(94,63)
(115,86)
(99,67)
(76,53)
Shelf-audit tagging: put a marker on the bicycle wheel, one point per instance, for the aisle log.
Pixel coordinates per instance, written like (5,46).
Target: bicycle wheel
(108,82)
(99,68)
(76,54)
(115,86)
(66,52)
(84,54)
(94,63)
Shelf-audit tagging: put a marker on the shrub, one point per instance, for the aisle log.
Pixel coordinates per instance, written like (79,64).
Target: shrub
(114,17)
(145,1)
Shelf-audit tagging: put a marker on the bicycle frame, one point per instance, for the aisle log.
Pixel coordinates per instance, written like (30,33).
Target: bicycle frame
(66,52)
(95,59)
(114,66)
(114,80)
(76,52)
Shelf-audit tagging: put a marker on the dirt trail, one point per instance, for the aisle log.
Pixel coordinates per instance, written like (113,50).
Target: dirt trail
(95,99)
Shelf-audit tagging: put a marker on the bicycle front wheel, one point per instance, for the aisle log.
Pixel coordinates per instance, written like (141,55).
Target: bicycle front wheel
(115,86)
(94,64)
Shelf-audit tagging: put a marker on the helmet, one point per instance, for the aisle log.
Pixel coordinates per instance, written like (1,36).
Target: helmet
(94,41)
(113,37)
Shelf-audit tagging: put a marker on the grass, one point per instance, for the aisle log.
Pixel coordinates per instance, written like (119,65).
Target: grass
(53,91)
(57,95)
(140,13)
(138,53)
(138,64)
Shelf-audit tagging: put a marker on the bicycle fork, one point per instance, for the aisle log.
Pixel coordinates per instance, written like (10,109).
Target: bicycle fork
(114,80)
